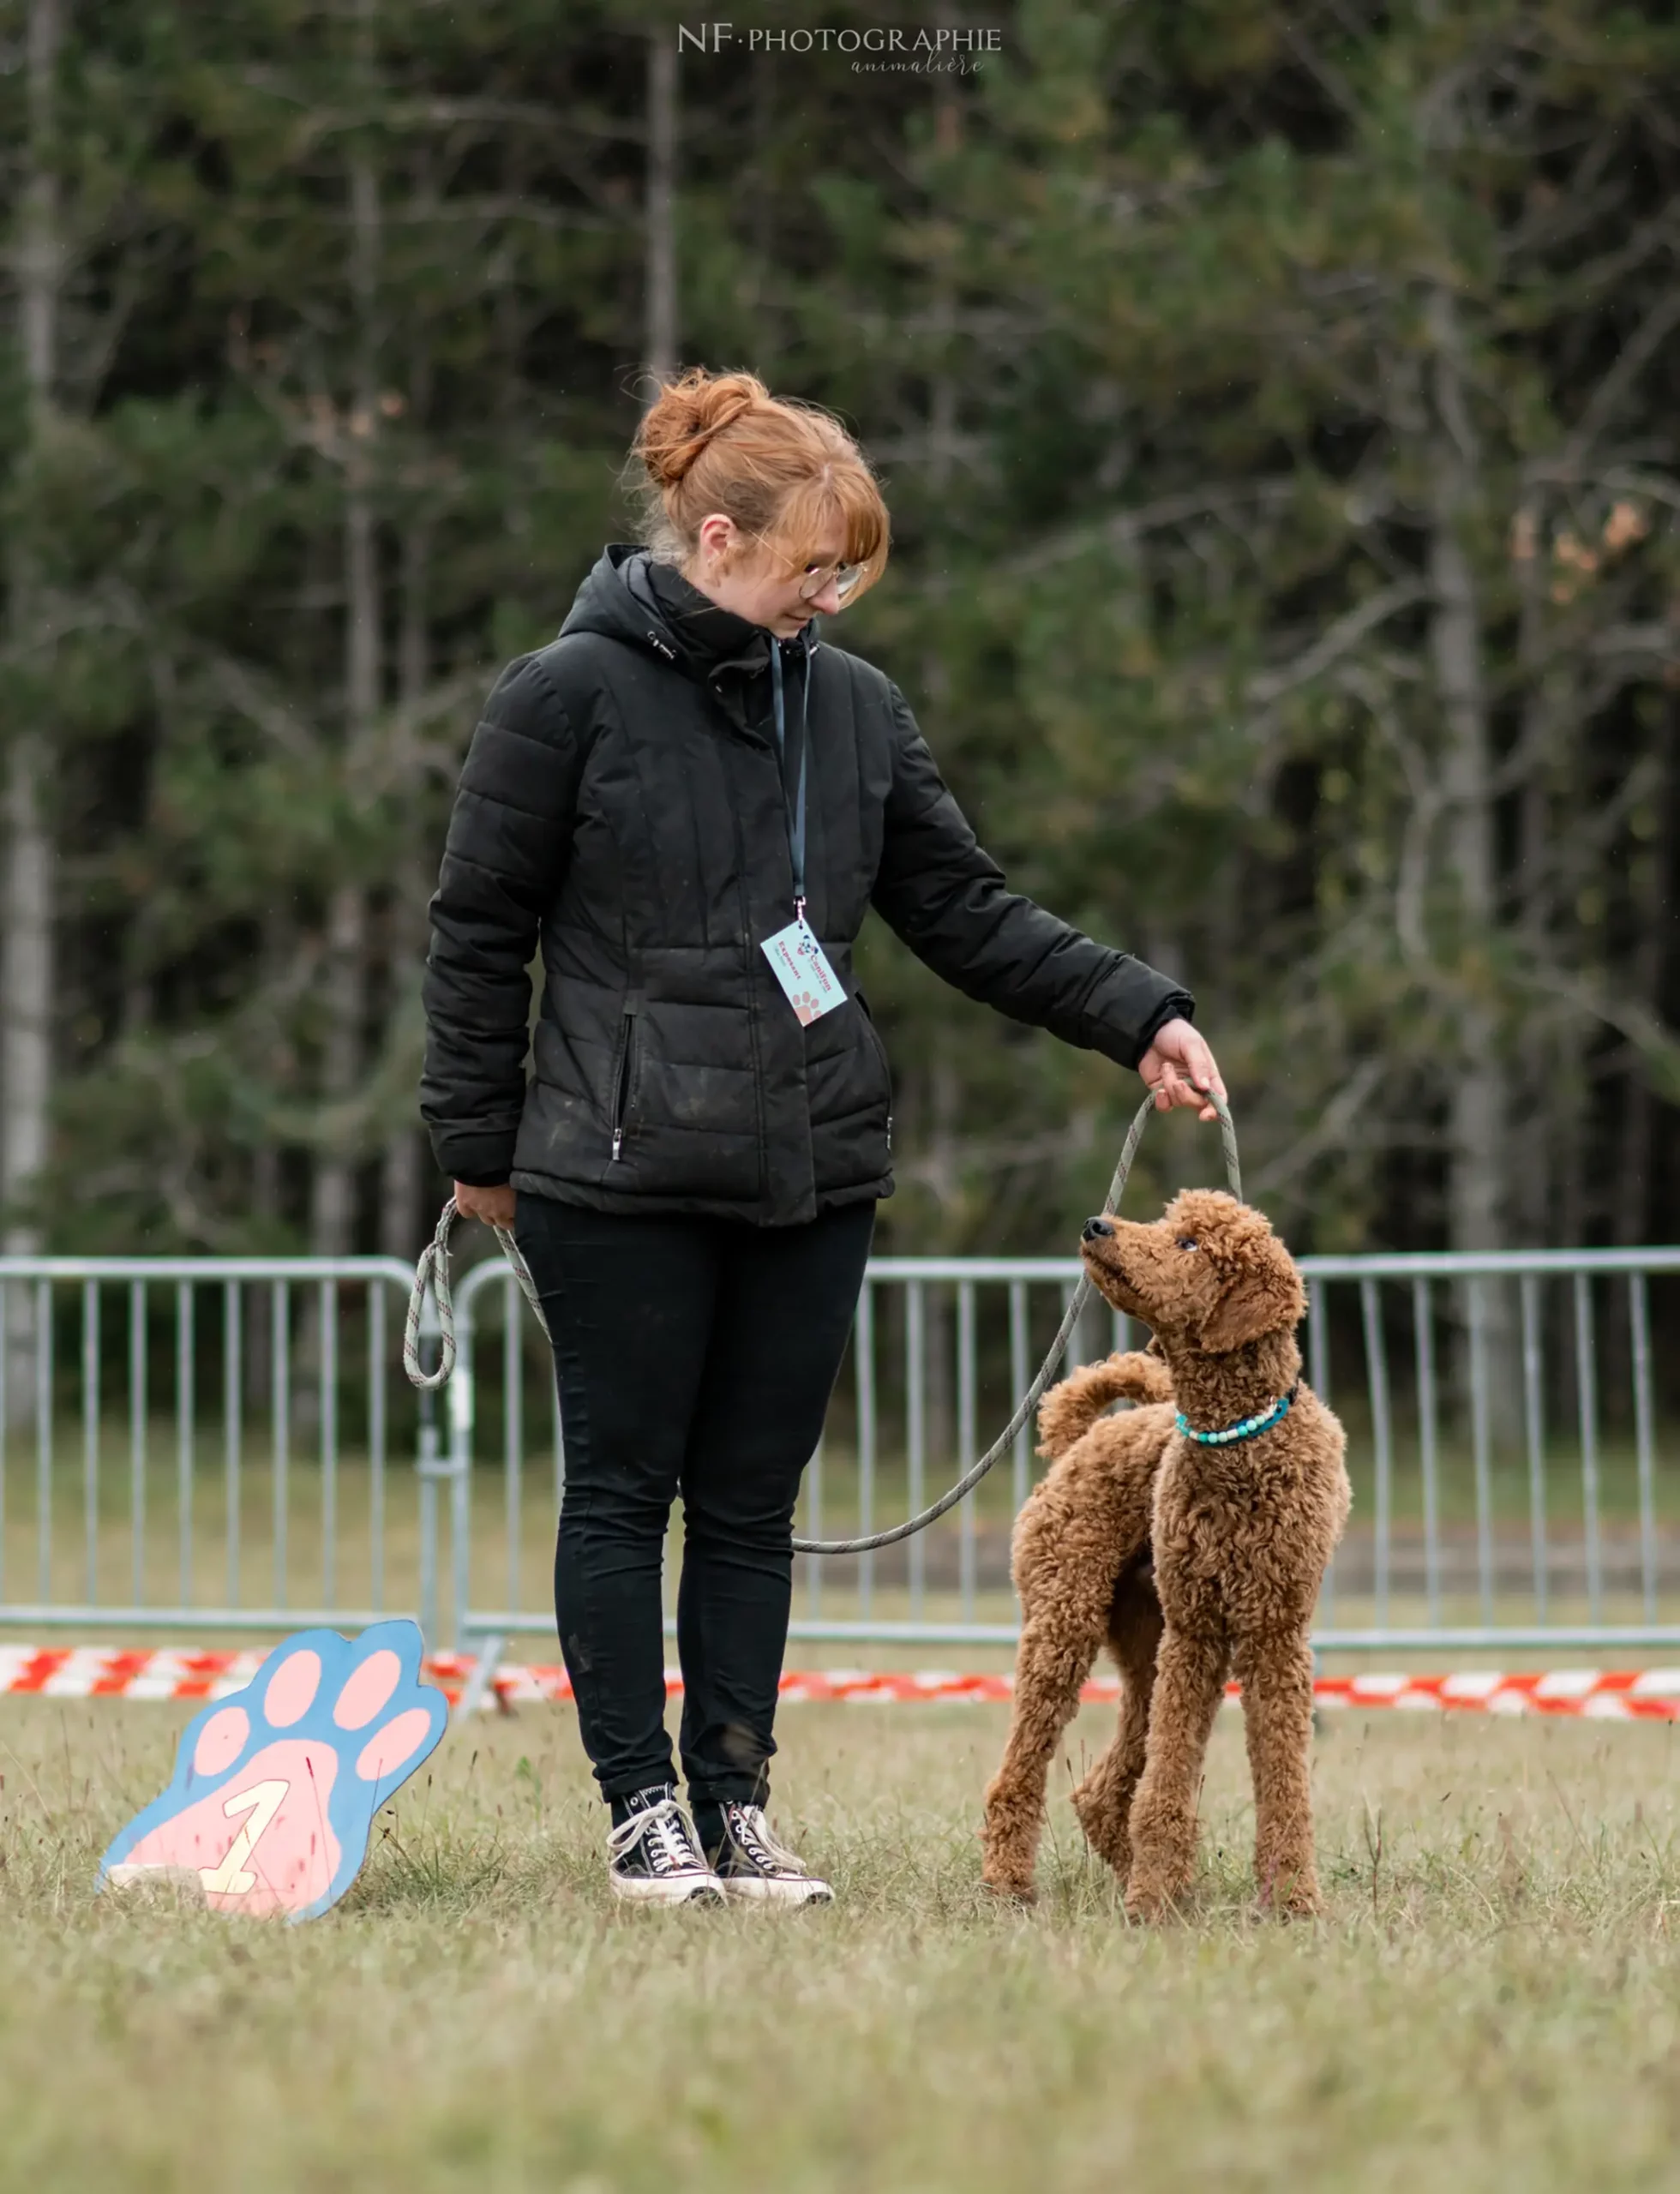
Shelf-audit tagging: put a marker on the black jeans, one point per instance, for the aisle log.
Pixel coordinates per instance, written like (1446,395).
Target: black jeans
(693,1356)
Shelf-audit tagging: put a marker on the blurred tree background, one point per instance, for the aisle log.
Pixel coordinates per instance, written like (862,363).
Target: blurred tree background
(1277,408)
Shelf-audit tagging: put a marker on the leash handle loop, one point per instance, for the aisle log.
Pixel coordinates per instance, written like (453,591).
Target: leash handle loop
(432,1273)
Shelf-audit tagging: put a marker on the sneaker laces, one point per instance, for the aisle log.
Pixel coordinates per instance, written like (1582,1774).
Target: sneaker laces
(670,1848)
(754,1835)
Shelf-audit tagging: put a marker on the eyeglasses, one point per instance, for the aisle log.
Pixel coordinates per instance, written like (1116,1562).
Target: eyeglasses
(817,576)
(845,577)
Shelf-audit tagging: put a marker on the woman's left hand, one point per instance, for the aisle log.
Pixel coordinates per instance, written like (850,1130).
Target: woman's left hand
(1179,1067)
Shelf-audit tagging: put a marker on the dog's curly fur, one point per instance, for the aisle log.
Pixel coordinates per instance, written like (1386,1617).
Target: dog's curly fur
(1188,1560)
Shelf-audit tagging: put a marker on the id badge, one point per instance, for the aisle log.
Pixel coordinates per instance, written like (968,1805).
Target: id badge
(800,966)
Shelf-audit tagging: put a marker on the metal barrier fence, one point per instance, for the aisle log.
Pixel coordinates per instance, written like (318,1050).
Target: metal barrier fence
(179,1437)
(228,1445)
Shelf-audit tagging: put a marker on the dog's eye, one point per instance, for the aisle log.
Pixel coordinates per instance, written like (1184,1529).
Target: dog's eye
(1188,1241)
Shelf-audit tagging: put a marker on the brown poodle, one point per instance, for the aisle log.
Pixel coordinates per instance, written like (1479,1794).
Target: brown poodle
(1188,1559)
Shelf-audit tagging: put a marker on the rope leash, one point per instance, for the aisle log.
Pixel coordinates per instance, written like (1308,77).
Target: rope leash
(433,1272)
(1029,1401)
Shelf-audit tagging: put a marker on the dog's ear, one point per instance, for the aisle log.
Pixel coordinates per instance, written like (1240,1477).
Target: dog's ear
(1265,1297)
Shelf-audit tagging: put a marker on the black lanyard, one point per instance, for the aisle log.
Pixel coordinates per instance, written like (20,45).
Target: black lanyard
(796,805)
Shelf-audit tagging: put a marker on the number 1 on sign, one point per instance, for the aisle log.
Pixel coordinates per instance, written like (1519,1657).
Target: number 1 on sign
(261,1801)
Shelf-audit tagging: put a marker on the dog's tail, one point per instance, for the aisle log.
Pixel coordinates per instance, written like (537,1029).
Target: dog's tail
(1070,1409)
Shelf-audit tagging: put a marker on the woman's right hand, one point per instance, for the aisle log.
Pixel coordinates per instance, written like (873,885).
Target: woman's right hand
(494,1206)
(1180,1070)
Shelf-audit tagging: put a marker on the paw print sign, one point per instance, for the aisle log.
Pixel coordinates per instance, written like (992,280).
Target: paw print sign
(275,1788)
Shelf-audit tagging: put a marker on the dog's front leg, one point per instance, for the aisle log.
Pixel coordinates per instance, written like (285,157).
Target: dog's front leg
(1276,1677)
(1059,1645)
(1190,1678)
(1103,1800)
(1077,1531)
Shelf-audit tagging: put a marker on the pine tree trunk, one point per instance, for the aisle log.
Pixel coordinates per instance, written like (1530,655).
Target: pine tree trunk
(945,1081)
(400,1175)
(344,996)
(264,1214)
(1632,1194)
(1530,1218)
(1650,982)
(346,988)
(25,985)
(27,950)
(1479,1103)
(660,340)
(403,1166)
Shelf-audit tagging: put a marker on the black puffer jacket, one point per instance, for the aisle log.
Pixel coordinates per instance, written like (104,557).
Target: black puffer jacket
(623,800)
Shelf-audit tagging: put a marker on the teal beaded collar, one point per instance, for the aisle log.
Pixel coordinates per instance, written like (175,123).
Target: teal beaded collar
(1247,1429)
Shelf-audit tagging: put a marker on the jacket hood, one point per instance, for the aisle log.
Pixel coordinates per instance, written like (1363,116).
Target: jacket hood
(628,597)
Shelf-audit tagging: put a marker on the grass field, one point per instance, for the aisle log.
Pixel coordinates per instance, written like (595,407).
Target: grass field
(1493,2000)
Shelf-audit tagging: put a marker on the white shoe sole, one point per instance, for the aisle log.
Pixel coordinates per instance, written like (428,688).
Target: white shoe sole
(701,1888)
(744,1890)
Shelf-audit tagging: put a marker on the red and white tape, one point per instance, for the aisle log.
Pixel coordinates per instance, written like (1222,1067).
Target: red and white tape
(99,1672)
(1602,1694)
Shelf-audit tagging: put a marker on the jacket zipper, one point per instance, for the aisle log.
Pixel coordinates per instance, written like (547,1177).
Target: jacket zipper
(621,1086)
(879,1042)
(754,963)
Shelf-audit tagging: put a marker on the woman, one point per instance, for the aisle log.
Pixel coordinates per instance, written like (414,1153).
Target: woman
(692,802)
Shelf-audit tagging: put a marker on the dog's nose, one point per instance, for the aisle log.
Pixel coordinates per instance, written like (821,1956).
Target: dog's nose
(1095,1229)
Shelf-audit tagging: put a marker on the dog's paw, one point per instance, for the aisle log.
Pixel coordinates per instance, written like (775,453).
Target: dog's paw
(1023,1894)
(1105,1824)
(1293,1896)
(1150,1908)
(275,1789)
(1156,1897)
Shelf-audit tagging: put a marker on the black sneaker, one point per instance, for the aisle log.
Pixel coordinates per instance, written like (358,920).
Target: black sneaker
(652,1856)
(754,1868)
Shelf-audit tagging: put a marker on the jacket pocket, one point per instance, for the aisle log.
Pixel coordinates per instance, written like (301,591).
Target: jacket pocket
(625,1072)
(875,1039)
